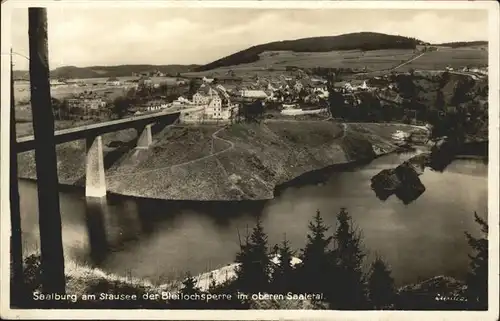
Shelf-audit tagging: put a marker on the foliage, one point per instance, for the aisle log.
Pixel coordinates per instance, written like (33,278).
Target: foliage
(252,112)
(477,278)
(316,267)
(254,269)
(194,85)
(381,290)
(189,288)
(349,290)
(120,106)
(283,271)
(61,109)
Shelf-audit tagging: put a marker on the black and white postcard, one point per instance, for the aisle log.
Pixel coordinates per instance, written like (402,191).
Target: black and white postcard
(237,160)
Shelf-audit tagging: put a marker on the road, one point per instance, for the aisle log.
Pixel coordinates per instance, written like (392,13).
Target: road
(408,61)
(472,75)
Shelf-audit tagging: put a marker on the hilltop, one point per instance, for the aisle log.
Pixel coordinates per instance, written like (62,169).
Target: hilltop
(72,72)
(353,41)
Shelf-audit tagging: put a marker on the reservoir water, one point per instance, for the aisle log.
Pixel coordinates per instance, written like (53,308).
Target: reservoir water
(160,240)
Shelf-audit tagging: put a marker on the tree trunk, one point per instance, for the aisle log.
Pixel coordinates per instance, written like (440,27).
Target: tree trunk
(52,256)
(16,250)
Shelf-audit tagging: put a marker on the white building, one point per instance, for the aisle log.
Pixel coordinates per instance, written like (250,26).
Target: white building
(56,82)
(113,81)
(208,80)
(322,92)
(253,94)
(216,102)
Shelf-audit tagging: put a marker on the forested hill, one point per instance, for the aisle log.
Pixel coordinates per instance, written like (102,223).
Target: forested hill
(71,72)
(463,44)
(351,41)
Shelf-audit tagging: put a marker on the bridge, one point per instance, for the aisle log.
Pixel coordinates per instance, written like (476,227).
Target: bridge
(95,181)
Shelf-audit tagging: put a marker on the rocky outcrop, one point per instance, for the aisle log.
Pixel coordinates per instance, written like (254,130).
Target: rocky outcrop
(402,181)
(437,293)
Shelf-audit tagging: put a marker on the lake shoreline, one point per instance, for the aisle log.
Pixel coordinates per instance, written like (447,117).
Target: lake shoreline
(302,179)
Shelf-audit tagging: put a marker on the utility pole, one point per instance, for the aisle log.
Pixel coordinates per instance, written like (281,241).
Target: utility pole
(16,250)
(49,216)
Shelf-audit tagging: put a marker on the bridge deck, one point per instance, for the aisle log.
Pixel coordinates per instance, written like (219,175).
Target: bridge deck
(65,135)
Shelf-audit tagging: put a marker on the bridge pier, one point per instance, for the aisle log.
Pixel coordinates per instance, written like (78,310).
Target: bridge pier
(145,138)
(95,181)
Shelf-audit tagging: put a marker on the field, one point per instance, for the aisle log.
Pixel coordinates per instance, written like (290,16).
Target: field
(455,58)
(22,88)
(274,63)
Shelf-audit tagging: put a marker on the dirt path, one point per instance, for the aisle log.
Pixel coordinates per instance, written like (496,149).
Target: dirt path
(408,61)
(214,137)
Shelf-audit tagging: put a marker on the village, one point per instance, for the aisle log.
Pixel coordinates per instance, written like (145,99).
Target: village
(217,98)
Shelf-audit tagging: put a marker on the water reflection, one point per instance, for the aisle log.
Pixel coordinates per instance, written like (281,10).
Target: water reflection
(404,182)
(96,230)
(158,239)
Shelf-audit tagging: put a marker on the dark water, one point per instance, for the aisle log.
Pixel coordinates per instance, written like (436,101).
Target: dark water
(159,240)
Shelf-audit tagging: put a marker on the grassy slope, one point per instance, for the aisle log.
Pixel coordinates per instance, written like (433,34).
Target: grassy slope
(351,41)
(453,57)
(274,63)
(263,156)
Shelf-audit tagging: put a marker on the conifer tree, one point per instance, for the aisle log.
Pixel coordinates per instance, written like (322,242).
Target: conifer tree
(189,285)
(349,284)
(477,278)
(282,278)
(380,286)
(316,266)
(254,270)
(188,288)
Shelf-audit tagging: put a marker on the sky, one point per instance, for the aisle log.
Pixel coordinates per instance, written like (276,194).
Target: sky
(105,36)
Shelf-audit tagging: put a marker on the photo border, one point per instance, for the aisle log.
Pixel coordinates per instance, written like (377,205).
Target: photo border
(493,170)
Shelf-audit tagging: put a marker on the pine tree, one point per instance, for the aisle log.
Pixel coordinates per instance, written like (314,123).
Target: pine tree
(477,278)
(283,271)
(254,269)
(349,284)
(380,285)
(188,288)
(189,285)
(316,266)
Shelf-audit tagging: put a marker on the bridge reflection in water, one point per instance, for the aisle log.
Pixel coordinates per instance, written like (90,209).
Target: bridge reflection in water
(110,226)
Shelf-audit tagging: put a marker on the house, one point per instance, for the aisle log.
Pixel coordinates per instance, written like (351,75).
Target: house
(289,106)
(348,86)
(145,81)
(57,82)
(298,86)
(204,95)
(315,80)
(208,80)
(181,102)
(216,102)
(321,92)
(254,94)
(230,80)
(86,103)
(113,81)
(156,105)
